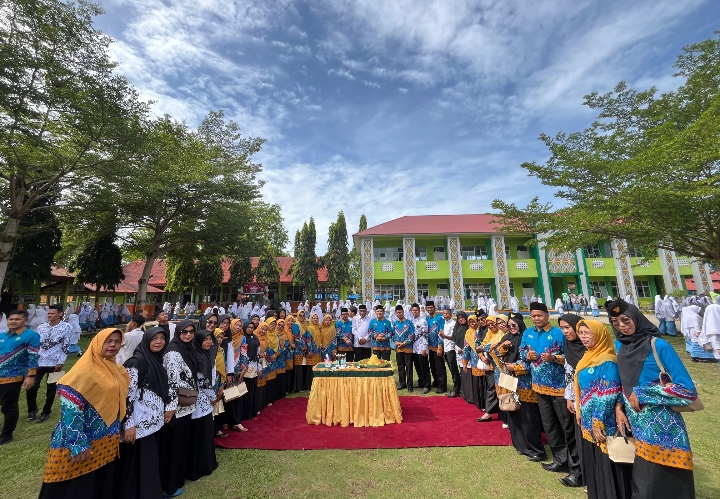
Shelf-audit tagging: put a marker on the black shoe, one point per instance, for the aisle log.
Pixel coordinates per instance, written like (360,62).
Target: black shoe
(484,420)
(402,387)
(31,416)
(5,440)
(571,480)
(554,466)
(43,417)
(426,390)
(536,458)
(451,395)
(410,388)
(439,390)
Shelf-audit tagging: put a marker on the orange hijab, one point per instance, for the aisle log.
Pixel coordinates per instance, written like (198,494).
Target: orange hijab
(237,336)
(602,351)
(262,334)
(303,325)
(288,332)
(102,382)
(315,331)
(327,333)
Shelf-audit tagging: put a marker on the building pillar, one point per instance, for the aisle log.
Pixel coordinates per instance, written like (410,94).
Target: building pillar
(546,291)
(670,271)
(456,279)
(623,268)
(410,274)
(582,268)
(702,278)
(368,270)
(502,282)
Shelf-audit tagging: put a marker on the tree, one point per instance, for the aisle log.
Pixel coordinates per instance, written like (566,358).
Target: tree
(99,264)
(241,271)
(363,223)
(209,273)
(305,262)
(647,170)
(64,113)
(267,270)
(337,258)
(179,272)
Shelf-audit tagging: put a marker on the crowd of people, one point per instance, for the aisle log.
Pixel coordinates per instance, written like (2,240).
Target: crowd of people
(155,396)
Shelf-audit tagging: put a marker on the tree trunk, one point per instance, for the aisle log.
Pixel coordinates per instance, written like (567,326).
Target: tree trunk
(7,243)
(144,279)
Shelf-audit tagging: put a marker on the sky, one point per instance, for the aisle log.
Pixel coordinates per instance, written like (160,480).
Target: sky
(401,107)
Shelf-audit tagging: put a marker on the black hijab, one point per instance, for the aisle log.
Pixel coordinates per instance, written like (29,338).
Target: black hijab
(634,349)
(227,334)
(149,365)
(513,352)
(253,342)
(573,350)
(459,330)
(205,358)
(203,320)
(519,319)
(186,350)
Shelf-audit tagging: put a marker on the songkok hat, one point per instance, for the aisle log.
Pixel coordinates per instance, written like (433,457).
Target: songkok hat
(539,306)
(616,308)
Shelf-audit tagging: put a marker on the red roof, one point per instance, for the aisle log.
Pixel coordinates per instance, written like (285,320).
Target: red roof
(125,287)
(715,276)
(434,224)
(133,271)
(60,274)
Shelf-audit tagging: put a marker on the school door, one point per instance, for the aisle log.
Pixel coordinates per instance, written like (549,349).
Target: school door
(439,253)
(443,290)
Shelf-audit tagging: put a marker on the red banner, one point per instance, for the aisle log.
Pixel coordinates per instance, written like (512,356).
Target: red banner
(254,288)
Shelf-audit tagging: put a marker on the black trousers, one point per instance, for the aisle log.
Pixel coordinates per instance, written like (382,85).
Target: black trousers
(361,353)
(49,396)
(651,480)
(491,401)
(525,429)
(405,368)
(559,426)
(422,367)
(437,368)
(9,398)
(349,355)
(451,359)
(382,354)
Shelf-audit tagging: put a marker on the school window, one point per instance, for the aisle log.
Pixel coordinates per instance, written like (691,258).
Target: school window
(392,292)
(420,253)
(614,290)
(326,294)
(523,253)
(473,252)
(512,289)
(295,293)
(507,252)
(423,290)
(599,290)
(593,251)
(643,289)
(478,290)
(388,254)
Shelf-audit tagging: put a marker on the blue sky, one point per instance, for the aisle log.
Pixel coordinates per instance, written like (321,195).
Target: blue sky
(403,107)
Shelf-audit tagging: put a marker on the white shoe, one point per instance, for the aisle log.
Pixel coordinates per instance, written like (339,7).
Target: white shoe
(505,426)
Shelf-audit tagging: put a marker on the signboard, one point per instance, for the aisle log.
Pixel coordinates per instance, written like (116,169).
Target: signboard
(254,288)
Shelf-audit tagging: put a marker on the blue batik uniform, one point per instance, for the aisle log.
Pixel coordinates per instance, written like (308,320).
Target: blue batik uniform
(548,378)
(404,332)
(378,327)
(600,390)
(435,325)
(344,337)
(19,355)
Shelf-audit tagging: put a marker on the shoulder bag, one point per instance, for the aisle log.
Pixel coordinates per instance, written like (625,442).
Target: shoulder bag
(621,449)
(665,380)
(186,396)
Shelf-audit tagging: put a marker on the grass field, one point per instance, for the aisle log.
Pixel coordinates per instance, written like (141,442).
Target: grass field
(465,472)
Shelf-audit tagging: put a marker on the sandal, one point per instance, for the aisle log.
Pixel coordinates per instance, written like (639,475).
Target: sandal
(239,427)
(220,434)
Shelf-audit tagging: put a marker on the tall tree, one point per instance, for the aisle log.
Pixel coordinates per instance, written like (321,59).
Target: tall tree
(305,262)
(209,273)
(267,270)
(179,272)
(648,170)
(363,223)
(64,113)
(99,264)
(337,258)
(241,271)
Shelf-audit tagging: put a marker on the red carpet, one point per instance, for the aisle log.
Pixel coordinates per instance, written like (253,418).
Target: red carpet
(427,422)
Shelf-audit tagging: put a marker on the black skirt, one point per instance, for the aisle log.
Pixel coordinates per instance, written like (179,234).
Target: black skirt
(651,480)
(201,460)
(469,386)
(138,474)
(249,405)
(604,479)
(280,383)
(290,380)
(98,484)
(174,438)
(299,378)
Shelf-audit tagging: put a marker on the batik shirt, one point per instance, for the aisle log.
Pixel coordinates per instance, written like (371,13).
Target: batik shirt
(660,433)
(548,378)
(18,355)
(80,428)
(344,336)
(600,390)
(420,344)
(404,332)
(206,396)
(179,376)
(299,344)
(435,325)
(145,409)
(522,373)
(470,355)
(378,327)
(54,343)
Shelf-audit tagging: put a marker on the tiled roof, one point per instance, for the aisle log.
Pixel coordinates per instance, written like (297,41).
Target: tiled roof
(715,276)
(60,274)
(434,224)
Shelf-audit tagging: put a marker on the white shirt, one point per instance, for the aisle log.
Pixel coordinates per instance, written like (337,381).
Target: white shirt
(360,330)
(131,340)
(54,343)
(145,414)
(448,344)
(421,334)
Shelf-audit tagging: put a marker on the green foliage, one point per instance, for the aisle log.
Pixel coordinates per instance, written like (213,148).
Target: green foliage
(337,258)
(100,263)
(209,273)
(267,270)
(64,113)
(179,272)
(648,170)
(363,223)
(241,271)
(305,262)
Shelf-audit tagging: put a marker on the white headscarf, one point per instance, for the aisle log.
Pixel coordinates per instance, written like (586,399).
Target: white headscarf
(691,322)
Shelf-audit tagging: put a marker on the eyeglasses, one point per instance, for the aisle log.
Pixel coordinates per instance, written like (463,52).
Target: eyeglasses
(188,331)
(512,325)
(625,320)
(211,322)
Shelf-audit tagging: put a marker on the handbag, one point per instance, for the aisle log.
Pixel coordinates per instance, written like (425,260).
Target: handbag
(218,408)
(509,402)
(187,396)
(508,382)
(234,392)
(55,377)
(665,380)
(251,372)
(621,449)
(483,366)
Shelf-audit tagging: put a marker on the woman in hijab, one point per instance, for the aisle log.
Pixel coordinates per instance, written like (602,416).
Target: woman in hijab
(84,445)
(526,423)
(278,360)
(139,466)
(691,325)
(458,337)
(490,342)
(668,312)
(246,370)
(328,337)
(312,350)
(710,334)
(594,306)
(267,378)
(476,382)
(559,306)
(285,378)
(289,354)
(294,330)
(663,460)
(220,377)
(181,363)
(596,387)
(235,409)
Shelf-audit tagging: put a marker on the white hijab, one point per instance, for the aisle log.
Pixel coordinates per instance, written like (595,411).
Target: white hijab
(691,322)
